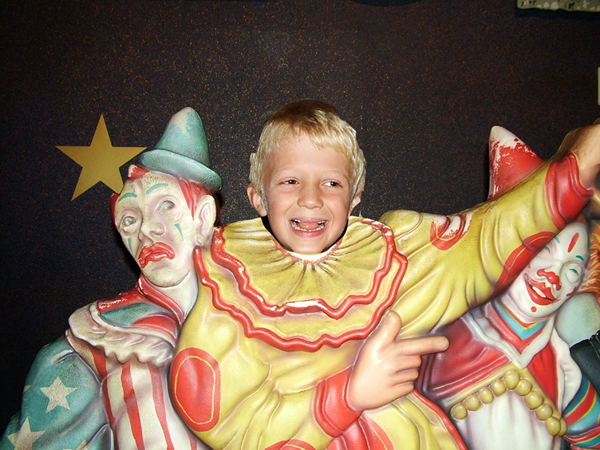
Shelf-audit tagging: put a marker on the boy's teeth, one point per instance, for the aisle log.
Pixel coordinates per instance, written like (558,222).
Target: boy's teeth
(308,226)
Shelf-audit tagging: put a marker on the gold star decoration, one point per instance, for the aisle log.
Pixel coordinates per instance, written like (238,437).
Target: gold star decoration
(100,161)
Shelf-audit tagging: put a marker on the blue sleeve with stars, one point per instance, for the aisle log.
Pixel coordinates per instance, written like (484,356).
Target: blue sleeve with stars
(62,405)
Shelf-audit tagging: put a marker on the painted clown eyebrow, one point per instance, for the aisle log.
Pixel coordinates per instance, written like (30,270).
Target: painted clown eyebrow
(573,242)
(127,195)
(156,186)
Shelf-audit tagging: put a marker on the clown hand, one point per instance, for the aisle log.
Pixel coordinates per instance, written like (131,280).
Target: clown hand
(387,366)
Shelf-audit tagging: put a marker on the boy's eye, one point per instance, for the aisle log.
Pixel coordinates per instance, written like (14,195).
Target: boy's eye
(289,182)
(333,183)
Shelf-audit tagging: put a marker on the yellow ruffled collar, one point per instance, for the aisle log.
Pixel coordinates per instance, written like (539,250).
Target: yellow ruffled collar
(301,303)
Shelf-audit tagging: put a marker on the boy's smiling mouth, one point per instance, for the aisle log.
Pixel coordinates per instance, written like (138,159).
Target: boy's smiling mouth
(308,225)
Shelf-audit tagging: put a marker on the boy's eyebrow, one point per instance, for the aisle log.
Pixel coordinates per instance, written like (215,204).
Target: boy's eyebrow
(126,195)
(156,186)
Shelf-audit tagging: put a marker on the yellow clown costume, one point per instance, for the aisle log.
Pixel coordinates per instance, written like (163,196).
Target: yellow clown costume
(265,356)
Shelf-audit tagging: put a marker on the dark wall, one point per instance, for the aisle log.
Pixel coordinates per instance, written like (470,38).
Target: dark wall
(421,81)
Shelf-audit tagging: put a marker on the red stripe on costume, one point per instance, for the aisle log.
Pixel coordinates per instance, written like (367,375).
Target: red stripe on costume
(132,405)
(543,368)
(583,438)
(293,444)
(565,196)
(107,405)
(159,404)
(159,322)
(583,407)
(376,437)
(100,363)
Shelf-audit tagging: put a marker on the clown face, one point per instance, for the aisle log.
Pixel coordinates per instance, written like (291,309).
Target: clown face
(157,228)
(551,277)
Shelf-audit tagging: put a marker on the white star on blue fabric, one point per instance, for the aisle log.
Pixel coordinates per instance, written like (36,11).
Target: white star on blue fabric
(24,439)
(57,395)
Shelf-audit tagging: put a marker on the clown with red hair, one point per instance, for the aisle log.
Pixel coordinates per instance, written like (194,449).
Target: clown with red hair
(508,379)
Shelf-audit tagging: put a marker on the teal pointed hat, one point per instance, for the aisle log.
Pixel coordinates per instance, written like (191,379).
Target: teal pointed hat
(183,152)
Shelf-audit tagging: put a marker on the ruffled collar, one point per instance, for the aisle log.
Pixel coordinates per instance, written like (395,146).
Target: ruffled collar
(302,303)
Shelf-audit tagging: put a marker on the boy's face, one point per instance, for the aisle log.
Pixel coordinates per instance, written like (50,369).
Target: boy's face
(307,195)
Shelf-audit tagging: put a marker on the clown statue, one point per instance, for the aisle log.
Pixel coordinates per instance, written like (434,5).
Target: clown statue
(111,367)
(272,353)
(285,348)
(508,379)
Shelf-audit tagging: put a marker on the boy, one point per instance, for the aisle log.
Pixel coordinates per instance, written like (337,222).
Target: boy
(269,356)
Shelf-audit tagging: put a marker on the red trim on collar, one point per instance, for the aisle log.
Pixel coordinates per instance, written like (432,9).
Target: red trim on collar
(299,343)
(239,271)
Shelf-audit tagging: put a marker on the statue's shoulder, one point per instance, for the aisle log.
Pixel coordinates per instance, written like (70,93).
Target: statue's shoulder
(403,221)
(128,325)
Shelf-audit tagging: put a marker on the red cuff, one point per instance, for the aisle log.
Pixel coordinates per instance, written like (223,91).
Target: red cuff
(332,411)
(565,195)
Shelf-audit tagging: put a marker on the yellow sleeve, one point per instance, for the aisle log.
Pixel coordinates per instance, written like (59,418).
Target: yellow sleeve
(460,261)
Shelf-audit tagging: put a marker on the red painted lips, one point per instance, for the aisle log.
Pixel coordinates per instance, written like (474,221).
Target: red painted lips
(155,253)
(540,293)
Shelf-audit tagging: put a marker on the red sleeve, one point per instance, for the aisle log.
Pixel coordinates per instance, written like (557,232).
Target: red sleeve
(565,195)
(332,411)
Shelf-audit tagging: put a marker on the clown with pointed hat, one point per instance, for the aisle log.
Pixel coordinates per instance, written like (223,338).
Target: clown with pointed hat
(116,351)
(183,151)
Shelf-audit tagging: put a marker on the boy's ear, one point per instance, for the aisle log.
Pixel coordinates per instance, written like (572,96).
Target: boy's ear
(205,216)
(355,201)
(256,200)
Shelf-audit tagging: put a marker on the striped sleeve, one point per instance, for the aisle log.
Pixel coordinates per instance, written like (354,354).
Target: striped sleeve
(583,417)
(142,415)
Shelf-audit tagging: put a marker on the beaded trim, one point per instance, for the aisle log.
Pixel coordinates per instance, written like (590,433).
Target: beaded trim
(523,384)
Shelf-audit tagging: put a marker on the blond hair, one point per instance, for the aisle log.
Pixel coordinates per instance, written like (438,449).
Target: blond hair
(320,122)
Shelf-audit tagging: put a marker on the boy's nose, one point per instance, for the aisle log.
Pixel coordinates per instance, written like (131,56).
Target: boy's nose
(310,197)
